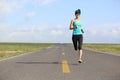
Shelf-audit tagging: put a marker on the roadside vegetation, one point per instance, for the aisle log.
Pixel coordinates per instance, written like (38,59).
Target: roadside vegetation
(13,49)
(110,48)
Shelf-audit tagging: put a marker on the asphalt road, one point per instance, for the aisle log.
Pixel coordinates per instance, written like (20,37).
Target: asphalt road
(60,63)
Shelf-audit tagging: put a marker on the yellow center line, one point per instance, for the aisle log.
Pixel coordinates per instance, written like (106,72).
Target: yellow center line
(63,53)
(65,67)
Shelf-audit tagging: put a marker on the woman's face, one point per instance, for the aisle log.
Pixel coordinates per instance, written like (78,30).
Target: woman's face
(77,15)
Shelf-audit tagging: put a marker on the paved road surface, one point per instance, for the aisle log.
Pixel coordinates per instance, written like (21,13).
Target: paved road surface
(60,63)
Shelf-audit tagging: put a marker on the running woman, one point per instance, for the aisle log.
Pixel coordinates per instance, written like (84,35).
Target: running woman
(77,35)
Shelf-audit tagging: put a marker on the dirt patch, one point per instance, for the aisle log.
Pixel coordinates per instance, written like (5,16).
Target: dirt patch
(10,51)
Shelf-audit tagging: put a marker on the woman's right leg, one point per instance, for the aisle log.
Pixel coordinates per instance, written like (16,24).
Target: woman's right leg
(74,39)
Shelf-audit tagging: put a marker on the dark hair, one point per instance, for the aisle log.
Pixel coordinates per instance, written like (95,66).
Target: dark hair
(78,11)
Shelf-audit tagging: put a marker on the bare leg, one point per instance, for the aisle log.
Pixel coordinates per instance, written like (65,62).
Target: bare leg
(80,54)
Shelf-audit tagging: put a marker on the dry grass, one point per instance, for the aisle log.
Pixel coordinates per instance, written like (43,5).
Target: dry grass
(8,52)
(13,49)
(110,48)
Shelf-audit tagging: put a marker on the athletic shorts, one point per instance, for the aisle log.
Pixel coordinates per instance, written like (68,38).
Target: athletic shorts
(77,41)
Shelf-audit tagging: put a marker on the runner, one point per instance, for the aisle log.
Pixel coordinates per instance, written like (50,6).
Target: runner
(77,35)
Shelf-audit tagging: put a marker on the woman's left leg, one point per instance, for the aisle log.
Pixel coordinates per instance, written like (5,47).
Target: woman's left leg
(80,52)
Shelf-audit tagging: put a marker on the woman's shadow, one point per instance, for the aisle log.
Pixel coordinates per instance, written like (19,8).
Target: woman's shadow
(56,62)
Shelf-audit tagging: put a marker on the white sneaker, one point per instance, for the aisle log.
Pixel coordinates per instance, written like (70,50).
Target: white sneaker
(80,61)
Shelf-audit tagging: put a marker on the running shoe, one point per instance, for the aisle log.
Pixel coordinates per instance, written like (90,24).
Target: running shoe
(80,61)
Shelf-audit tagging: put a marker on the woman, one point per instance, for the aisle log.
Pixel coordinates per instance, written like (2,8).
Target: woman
(77,35)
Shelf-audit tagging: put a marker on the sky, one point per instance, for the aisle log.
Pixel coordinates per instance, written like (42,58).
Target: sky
(48,20)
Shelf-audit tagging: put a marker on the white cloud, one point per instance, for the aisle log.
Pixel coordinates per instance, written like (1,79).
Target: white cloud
(92,31)
(107,29)
(30,15)
(8,7)
(18,34)
(35,33)
(112,32)
(103,33)
(42,2)
(56,32)
(46,2)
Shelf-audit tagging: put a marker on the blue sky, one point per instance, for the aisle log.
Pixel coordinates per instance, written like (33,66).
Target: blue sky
(48,20)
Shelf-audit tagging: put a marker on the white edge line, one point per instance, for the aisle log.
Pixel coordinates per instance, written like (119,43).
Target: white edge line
(16,56)
(23,54)
(114,54)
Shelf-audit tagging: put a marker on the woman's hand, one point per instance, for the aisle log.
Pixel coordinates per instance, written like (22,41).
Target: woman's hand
(83,33)
(82,30)
(76,27)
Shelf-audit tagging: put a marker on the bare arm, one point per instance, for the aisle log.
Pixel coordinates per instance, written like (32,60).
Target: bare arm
(71,25)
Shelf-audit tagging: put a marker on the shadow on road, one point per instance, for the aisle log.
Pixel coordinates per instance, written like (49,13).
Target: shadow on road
(43,63)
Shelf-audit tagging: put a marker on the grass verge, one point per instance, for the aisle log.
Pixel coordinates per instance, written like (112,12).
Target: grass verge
(13,49)
(110,48)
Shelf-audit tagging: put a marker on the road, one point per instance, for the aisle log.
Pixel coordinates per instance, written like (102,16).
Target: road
(60,63)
